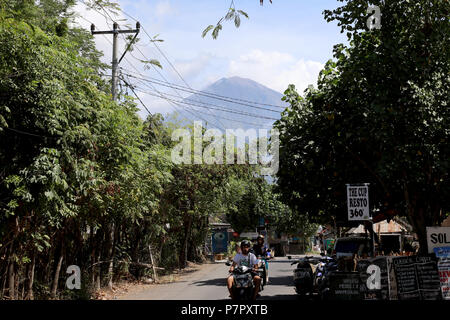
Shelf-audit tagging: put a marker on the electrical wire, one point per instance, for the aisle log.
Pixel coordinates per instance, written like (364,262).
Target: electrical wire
(177,87)
(202,93)
(209,107)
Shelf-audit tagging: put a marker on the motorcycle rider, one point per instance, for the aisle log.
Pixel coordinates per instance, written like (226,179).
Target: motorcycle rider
(260,249)
(248,259)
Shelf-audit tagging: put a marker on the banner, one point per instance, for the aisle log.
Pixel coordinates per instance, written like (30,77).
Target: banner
(444,270)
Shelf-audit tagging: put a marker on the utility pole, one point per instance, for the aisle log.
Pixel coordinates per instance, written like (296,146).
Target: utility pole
(115,62)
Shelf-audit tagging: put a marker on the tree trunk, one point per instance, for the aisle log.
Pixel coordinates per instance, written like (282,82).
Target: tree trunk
(155,276)
(11,276)
(111,257)
(98,274)
(183,255)
(29,295)
(2,293)
(56,277)
(16,284)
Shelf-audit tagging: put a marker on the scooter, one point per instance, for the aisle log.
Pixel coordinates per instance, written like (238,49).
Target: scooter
(243,286)
(304,275)
(324,270)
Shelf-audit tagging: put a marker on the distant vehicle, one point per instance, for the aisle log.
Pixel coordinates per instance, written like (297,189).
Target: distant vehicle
(346,247)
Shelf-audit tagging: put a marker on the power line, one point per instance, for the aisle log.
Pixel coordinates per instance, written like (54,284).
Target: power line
(132,89)
(28,133)
(218,116)
(209,107)
(165,57)
(162,76)
(175,105)
(106,19)
(181,77)
(175,90)
(189,101)
(176,87)
(202,93)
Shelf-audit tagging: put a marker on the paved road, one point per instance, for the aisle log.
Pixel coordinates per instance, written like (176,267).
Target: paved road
(209,284)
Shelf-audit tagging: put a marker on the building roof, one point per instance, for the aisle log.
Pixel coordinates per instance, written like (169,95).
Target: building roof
(382,227)
(446,222)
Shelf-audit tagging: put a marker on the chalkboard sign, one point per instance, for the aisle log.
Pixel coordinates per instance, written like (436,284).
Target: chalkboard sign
(345,286)
(417,278)
(371,272)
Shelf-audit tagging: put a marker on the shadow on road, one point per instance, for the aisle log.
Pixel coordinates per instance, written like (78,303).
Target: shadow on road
(222,282)
(280,281)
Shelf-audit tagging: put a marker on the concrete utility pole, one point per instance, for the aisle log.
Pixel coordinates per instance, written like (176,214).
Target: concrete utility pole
(115,62)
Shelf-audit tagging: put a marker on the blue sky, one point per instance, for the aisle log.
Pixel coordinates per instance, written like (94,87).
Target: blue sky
(285,42)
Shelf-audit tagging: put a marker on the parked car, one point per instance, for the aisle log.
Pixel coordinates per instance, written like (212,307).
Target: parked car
(346,247)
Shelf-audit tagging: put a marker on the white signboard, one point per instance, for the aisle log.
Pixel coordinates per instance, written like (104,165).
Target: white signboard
(358,202)
(249,235)
(438,237)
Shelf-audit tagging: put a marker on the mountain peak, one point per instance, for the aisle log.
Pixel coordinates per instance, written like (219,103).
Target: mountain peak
(237,79)
(256,113)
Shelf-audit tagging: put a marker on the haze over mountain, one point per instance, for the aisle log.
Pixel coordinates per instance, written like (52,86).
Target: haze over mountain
(258,111)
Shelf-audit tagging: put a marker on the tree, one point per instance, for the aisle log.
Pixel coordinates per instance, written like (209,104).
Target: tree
(380,115)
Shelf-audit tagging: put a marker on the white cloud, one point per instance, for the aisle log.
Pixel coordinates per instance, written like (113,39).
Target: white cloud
(163,8)
(102,22)
(276,70)
(192,67)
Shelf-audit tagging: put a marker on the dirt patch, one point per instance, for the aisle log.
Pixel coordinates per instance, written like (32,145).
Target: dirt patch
(124,288)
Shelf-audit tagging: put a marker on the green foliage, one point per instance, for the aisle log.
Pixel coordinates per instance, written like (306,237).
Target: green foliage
(380,115)
(84,180)
(232,15)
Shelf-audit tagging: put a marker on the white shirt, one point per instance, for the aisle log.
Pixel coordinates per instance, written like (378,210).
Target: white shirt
(249,260)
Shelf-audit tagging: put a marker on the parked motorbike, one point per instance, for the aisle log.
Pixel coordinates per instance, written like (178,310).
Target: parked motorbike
(304,275)
(324,270)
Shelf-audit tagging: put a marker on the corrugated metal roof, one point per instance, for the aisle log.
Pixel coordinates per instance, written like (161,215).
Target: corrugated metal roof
(380,227)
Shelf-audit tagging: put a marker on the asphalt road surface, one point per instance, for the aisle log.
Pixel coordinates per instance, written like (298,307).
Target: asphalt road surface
(209,283)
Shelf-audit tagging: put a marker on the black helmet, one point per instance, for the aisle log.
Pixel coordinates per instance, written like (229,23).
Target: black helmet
(260,237)
(246,243)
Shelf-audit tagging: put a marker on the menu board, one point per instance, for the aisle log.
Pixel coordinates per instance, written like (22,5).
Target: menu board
(345,286)
(368,293)
(417,278)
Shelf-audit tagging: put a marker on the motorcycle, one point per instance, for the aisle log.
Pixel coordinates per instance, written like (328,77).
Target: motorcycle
(243,286)
(325,269)
(304,275)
